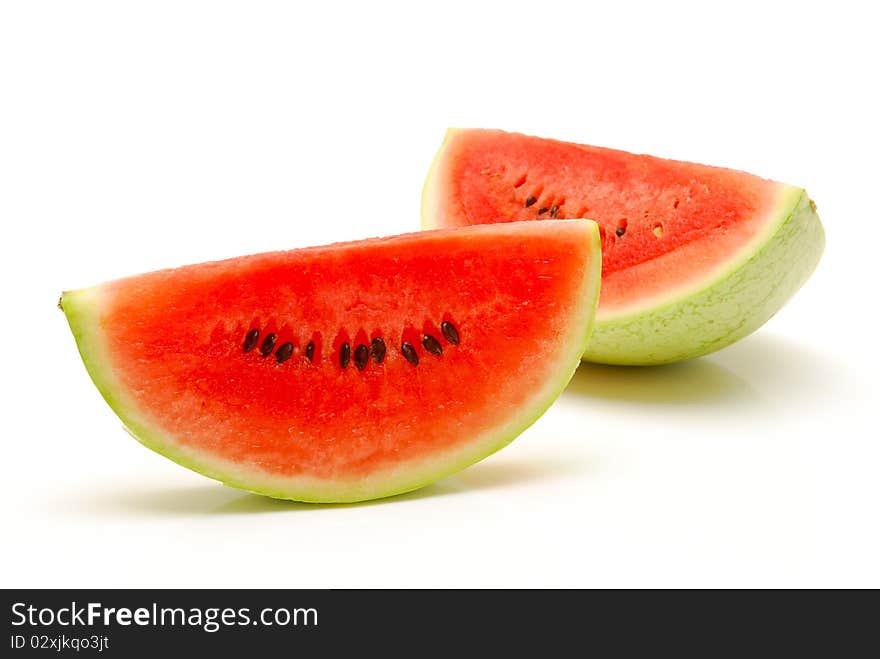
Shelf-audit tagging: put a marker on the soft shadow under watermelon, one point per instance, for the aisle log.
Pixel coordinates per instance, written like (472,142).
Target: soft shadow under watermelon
(213,498)
(760,370)
(694,382)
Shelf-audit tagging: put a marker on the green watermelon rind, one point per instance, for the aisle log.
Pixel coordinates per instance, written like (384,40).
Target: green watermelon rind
(729,304)
(82,309)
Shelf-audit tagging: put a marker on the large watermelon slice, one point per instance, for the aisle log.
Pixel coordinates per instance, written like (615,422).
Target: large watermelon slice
(694,257)
(347,372)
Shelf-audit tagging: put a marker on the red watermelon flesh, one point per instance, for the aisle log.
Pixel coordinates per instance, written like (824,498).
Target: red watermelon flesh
(669,231)
(268,372)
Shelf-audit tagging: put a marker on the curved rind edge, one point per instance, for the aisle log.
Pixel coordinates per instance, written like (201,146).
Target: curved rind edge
(82,309)
(430,189)
(734,304)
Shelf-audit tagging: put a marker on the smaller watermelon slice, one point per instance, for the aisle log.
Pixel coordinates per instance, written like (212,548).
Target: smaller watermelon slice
(693,257)
(347,372)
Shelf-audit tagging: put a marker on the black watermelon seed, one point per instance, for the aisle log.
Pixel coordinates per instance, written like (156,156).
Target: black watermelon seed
(377,350)
(410,353)
(361,357)
(432,345)
(542,210)
(284,352)
(267,345)
(530,200)
(344,355)
(310,350)
(620,231)
(250,340)
(554,210)
(449,332)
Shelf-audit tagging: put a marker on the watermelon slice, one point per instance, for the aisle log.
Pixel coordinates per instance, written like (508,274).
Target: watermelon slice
(347,372)
(694,257)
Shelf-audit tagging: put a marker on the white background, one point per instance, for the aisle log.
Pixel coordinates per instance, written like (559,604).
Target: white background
(135,136)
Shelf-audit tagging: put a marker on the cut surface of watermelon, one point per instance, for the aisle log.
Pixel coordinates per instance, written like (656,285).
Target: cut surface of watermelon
(694,257)
(346,372)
